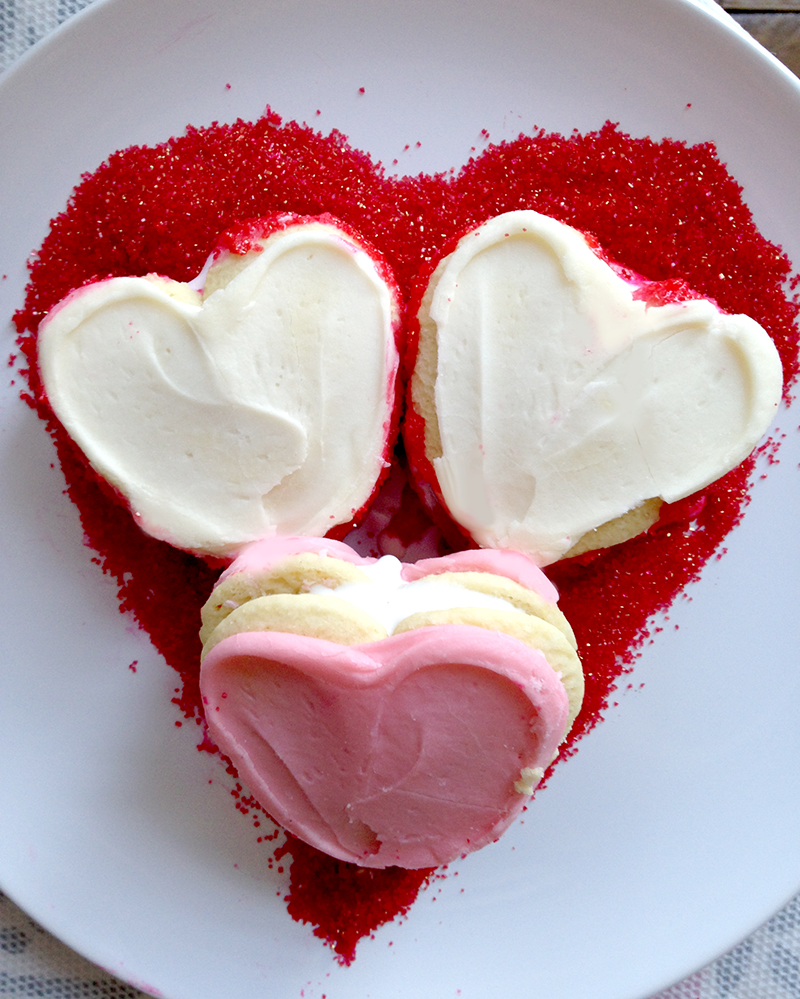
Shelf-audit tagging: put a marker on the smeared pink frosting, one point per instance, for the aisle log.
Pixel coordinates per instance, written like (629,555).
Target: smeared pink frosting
(512,565)
(400,752)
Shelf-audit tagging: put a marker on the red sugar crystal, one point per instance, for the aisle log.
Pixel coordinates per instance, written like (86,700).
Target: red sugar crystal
(664,209)
(344,902)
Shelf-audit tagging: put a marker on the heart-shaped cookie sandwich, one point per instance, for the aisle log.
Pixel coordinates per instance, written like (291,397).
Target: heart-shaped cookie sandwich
(554,404)
(263,405)
(388,714)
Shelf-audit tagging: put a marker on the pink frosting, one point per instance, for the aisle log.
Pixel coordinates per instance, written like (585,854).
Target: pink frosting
(399,752)
(512,565)
(261,555)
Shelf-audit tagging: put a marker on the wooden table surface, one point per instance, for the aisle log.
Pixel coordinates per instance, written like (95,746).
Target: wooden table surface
(774,23)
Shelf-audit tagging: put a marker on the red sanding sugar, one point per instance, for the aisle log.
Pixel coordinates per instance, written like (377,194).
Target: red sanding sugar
(343,902)
(668,211)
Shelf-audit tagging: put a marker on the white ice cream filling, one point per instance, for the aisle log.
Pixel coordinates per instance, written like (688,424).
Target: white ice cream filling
(390,599)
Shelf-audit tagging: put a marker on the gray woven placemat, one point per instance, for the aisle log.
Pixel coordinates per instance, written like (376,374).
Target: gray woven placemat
(33,963)
(24,22)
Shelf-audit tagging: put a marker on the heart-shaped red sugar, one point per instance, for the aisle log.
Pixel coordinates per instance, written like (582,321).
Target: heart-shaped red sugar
(666,209)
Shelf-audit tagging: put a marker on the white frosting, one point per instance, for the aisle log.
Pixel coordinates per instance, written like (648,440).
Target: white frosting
(563,403)
(390,599)
(263,410)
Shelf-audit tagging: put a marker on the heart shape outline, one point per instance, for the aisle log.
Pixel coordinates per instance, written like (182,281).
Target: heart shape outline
(303,736)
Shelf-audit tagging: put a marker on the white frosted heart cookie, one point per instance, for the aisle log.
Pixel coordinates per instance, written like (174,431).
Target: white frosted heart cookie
(263,406)
(553,407)
(391,714)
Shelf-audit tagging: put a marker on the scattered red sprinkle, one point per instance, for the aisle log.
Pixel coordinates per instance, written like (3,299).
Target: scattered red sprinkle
(668,211)
(344,902)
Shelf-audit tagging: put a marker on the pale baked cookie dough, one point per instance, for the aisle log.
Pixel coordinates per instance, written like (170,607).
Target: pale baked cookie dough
(315,591)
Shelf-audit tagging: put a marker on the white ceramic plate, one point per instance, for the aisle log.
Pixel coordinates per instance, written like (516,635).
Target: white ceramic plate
(674,830)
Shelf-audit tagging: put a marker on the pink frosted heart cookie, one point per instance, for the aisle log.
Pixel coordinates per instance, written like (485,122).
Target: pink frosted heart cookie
(263,404)
(556,400)
(388,714)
